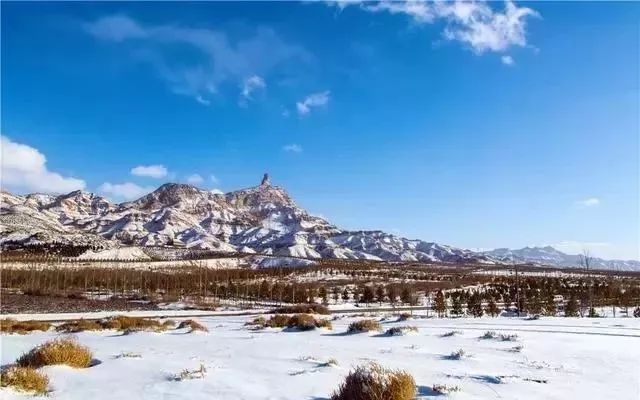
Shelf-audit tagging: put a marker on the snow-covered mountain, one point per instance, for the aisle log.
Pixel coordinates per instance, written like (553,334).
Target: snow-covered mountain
(548,255)
(261,220)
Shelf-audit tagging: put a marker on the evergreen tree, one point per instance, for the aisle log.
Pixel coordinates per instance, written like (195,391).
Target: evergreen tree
(456,305)
(392,294)
(535,306)
(474,305)
(571,308)
(440,304)
(549,305)
(367,295)
(345,295)
(335,294)
(380,294)
(405,296)
(492,308)
(323,294)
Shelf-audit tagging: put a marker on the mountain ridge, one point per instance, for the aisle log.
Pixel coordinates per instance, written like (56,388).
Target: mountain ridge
(263,219)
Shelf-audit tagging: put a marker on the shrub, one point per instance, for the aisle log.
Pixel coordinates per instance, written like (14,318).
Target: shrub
(128,355)
(22,327)
(332,362)
(79,325)
(508,338)
(451,333)
(303,322)
(373,382)
(516,349)
(257,322)
(489,335)
(187,374)
(65,351)
(444,389)
(404,317)
(303,309)
(457,355)
(401,330)
(169,323)
(324,323)
(193,325)
(132,324)
(25,379)
(278,321)
(364,325)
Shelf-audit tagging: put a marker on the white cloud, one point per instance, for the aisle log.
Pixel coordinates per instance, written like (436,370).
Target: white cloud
(217,57)
(313,100)
(194,179)
(474,24)
(214,179)
(507,60)
(590,202)
(152,171)
(292,148)
(124,191)
(285,113)
(24,169)
(250,85)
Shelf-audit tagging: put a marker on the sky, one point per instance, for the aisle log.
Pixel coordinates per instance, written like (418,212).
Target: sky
(478,125)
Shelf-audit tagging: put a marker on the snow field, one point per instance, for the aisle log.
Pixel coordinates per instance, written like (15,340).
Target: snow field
(560,358)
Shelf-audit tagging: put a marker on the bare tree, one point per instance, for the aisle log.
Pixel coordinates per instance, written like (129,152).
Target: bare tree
(585,262)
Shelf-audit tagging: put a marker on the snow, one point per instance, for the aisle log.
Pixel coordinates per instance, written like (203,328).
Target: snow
(577,358)
(122,253)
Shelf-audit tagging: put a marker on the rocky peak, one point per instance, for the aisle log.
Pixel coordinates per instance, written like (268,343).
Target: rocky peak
(169,194)
(265,180)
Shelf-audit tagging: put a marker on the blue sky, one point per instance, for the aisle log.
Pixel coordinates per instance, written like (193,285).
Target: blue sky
(471,124)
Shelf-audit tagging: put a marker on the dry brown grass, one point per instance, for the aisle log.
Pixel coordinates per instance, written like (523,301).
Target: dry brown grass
(133,324)
(22,327)
(80,325)
(303,322)
(65,351)
(324,323)
(303,309)
(278,321)
(25,379)
(404,317)
(193,326)
(373,382)
(364,325)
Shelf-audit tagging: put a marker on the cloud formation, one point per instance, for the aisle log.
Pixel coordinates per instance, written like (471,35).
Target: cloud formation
(152,171)
(24,168)
(195,179)
(292,148)
(590,202)
(218,58)
(475,24)
(124,191)
(507,60)
(313,100)
(250,85)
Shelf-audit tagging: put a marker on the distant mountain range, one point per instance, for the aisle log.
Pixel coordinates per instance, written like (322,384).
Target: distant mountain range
(262,219)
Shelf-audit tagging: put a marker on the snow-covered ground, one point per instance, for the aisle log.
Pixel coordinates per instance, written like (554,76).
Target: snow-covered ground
(561,358)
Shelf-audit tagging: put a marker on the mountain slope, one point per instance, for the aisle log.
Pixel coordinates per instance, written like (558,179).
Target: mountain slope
(263,219)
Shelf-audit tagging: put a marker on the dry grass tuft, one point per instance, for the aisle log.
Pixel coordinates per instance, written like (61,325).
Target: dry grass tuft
(133,324)
(489,335)
(65,351)
(457,355)
(373,382)
(25,379)
(364,325)
(22,327)
(187,374)
(444,389)
(508,338)
(324,323)
(451,333)
(401,330)
(303,322)
(303,309)
(79,325)
(278,321)
(193,326)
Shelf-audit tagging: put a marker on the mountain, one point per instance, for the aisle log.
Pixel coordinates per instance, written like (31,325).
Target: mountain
(548,255)
(263,219)
(259,220)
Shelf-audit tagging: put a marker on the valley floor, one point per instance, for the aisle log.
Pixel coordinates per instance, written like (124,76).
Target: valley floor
(560,358)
